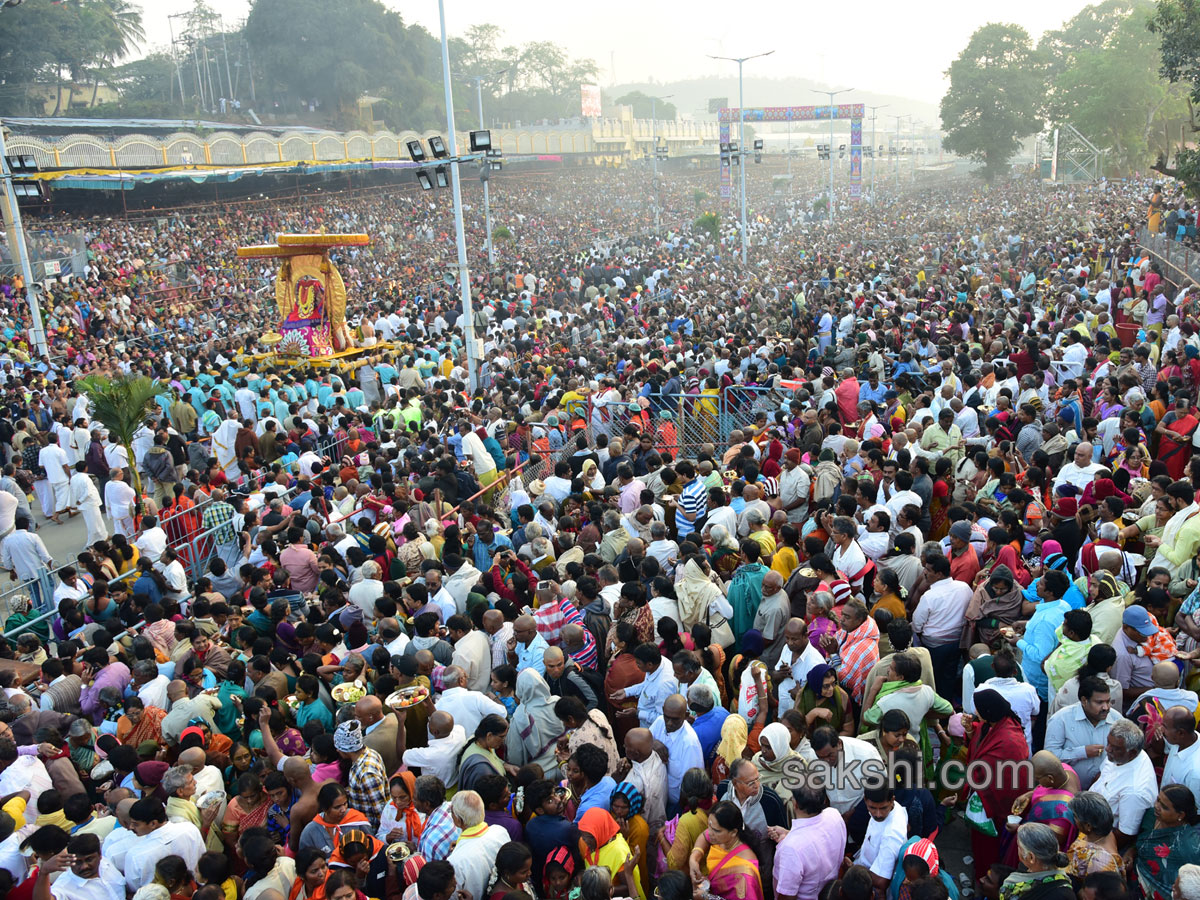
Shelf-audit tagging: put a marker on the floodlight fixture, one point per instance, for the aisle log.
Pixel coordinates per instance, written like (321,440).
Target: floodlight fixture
(437,146)
(424,180)
(481,141)
(442,176)
(416,150)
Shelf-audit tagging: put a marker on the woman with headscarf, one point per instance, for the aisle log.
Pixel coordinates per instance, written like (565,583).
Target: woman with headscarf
(593,481)
(722,550)
(735,737)
(147,779)
(535,728)
(776,759)
(996,602)
(997,744)
(559,869)
(1001,552)
(825,702)
(400,820)
(602,845)
(701,599)
(479,756)
(626,806)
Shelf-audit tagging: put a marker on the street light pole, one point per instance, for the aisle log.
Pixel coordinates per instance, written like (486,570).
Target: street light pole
(742,138)
(831,94)
(487,202)
(896,155)
(464,277)
(874,146)
(654,152)
(16,233)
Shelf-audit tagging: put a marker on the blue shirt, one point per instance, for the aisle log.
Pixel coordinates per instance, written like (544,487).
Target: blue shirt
(597,795)
(483,553)
(1039,642)
(531,657)
(708,729)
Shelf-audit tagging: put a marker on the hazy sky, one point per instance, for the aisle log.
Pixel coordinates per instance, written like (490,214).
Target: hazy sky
(878,45)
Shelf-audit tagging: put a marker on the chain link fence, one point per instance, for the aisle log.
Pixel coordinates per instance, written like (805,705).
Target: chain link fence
(1182,258)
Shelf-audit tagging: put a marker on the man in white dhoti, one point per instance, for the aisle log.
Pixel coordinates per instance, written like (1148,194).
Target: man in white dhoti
(86,499)
(224,450)
(119,497)
(53,459)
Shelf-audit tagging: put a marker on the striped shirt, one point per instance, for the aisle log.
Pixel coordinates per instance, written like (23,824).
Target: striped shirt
(693,503)
(857,652)
(552,617)
(588,658)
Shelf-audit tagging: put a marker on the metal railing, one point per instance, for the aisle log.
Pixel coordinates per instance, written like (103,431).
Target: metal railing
(1182,258)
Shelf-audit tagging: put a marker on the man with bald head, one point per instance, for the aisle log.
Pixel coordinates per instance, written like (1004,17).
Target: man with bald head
(1183,749)
(526,648)
(299,778)
(184,709)
(440,758)
(498,633)
(382,733)
(674,732)
(644,769)
(564,680)
(1081,470)
(208,778)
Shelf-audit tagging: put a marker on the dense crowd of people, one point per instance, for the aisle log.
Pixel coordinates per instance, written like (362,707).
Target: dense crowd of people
(737,583)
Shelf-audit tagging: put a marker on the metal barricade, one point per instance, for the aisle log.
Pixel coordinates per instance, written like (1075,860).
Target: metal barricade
(1180,257)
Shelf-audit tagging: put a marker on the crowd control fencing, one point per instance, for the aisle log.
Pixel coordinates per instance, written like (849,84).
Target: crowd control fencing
(1183,259)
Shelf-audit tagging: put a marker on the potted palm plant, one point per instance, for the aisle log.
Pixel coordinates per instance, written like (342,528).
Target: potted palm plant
(121,404)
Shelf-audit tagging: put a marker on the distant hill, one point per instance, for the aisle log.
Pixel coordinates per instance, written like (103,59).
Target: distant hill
(691,97)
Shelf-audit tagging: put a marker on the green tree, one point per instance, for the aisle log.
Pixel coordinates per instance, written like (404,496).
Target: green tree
(121,405)
(643,107)
(709,224)
(1108,85)
(1177,23)
(117,29)
(995,92)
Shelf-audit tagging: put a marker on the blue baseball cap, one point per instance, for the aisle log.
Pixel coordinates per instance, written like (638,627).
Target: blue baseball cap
(1138,619)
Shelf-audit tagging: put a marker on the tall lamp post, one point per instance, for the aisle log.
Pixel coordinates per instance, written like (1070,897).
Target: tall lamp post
(464,277)
(896,156)
(831,94)
(742,137)
(874,147)
(487,202)
(16,235)
(654,151)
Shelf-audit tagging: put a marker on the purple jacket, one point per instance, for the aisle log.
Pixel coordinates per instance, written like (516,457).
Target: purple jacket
(115,674)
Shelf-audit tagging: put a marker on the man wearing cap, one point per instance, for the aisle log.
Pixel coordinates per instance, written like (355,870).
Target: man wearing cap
(368,780)
(1133,668)
(964,561)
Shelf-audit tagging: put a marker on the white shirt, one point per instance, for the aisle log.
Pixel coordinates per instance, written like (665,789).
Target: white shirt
(1130,790)
(468,707)
(1183,767)
(939,616)
(54,460)
(154,693)
(1021,696)
(650,778)
(880,850)
(842,797)
(474,858)
(172,839)
(119,498)
(801,665)
(1080,476)
(473,654)
(107,885)
(24,553)
(83,493)
(440,758)
(152,543)
(114,847)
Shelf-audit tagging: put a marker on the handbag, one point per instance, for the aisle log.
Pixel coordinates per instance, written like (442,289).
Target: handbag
(722,634)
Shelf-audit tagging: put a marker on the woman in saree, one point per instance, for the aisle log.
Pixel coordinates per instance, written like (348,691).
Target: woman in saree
(602,845)
(722,549)
(1168,843)
(140,723)
(535,729)
(776,759)
(479,757)
(677,838)
(996,602)
(939,506)
(700,597)
(246,810)
(633,608)
(1047,804)
(825,702)
(996,743)
(735,738)
(818,611)
(723,856)
(1044,878)
(1000,551)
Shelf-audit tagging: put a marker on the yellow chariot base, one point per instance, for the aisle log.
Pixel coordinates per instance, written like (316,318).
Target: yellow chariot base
(342,361)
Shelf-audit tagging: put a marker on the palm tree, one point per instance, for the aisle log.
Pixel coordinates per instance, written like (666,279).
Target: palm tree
(121,405)
(118,25)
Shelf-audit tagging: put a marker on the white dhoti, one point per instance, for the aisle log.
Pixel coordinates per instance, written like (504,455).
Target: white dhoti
(62,495)
(45,496)
(122,525)
(96,529)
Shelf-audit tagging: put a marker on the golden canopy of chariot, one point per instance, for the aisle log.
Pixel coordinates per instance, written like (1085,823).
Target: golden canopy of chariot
(309,293)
